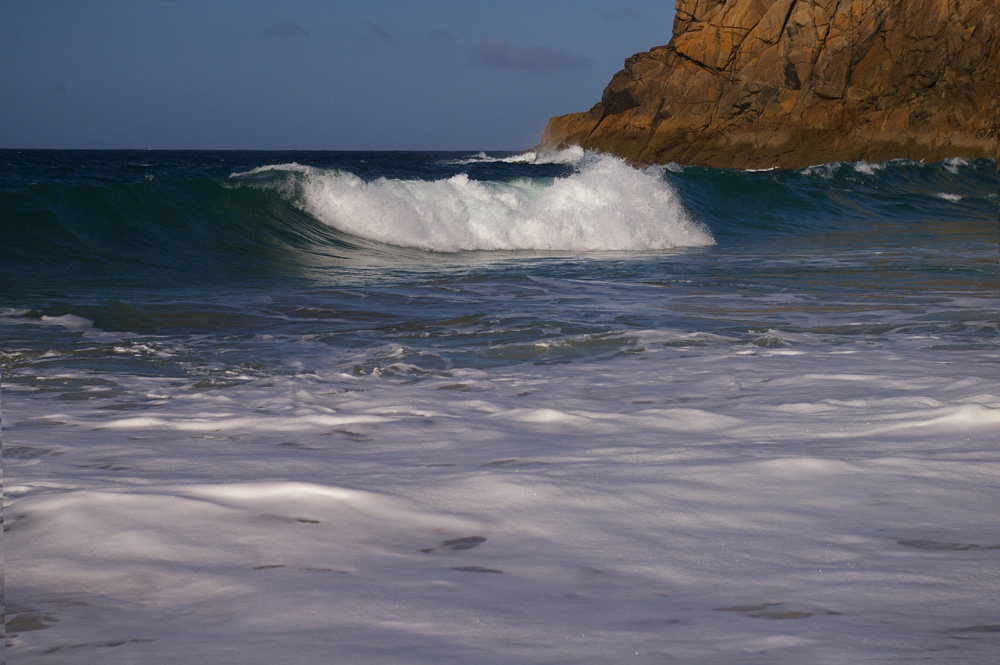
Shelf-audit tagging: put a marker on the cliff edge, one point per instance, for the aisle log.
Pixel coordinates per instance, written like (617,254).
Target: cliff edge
(790,83)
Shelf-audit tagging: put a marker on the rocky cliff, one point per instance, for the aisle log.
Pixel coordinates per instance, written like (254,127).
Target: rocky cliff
(789,83)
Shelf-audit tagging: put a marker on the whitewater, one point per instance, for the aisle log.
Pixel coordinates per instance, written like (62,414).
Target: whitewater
(604,206)
(452,407)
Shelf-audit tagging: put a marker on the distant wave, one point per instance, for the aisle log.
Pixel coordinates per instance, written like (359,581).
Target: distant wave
(570,155)
(953,165)
(605,205)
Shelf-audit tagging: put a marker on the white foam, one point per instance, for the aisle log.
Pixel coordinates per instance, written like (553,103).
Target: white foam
(681,503)
(868,168)
(293,167)
(953,164)
(69,321)
(825,171)
(568,155)
(829,169)
(605,206)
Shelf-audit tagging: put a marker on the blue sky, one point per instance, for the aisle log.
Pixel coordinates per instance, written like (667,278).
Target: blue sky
(309,74)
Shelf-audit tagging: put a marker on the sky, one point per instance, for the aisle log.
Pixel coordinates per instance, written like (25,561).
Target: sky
(309,74)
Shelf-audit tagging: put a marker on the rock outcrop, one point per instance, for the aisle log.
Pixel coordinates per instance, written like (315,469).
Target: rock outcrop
(789,83)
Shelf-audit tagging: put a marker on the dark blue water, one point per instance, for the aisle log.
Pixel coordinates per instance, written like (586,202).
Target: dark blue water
(219,254)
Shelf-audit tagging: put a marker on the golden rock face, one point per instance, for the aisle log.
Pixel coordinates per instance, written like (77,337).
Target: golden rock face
(790,83)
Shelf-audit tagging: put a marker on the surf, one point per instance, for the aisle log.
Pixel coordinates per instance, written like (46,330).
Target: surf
(602,205)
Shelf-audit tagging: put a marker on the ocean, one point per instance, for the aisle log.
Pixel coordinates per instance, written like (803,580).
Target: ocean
(404,408)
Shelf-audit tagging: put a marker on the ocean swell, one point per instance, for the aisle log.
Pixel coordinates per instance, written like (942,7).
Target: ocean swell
(604,205)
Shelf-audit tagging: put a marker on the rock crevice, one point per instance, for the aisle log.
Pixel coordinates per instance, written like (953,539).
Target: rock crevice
(789,83)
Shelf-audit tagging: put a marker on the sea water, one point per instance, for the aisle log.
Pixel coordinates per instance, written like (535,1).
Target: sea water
(503,408)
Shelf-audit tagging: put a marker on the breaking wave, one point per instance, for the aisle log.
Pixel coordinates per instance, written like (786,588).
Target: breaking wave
(604,205)
(568,155)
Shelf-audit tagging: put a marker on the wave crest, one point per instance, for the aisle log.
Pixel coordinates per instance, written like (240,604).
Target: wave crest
(605,205)
(568,155)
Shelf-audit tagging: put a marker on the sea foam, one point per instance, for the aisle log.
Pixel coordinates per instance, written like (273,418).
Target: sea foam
(605,205)
(569,155)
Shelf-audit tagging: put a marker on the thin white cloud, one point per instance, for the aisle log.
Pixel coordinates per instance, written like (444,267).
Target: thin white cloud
(497,53)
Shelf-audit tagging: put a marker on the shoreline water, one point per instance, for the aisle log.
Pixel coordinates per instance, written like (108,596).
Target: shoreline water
(235,433)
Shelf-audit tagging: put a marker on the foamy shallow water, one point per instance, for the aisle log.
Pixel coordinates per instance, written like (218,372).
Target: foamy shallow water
(759,504)
(236,433)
